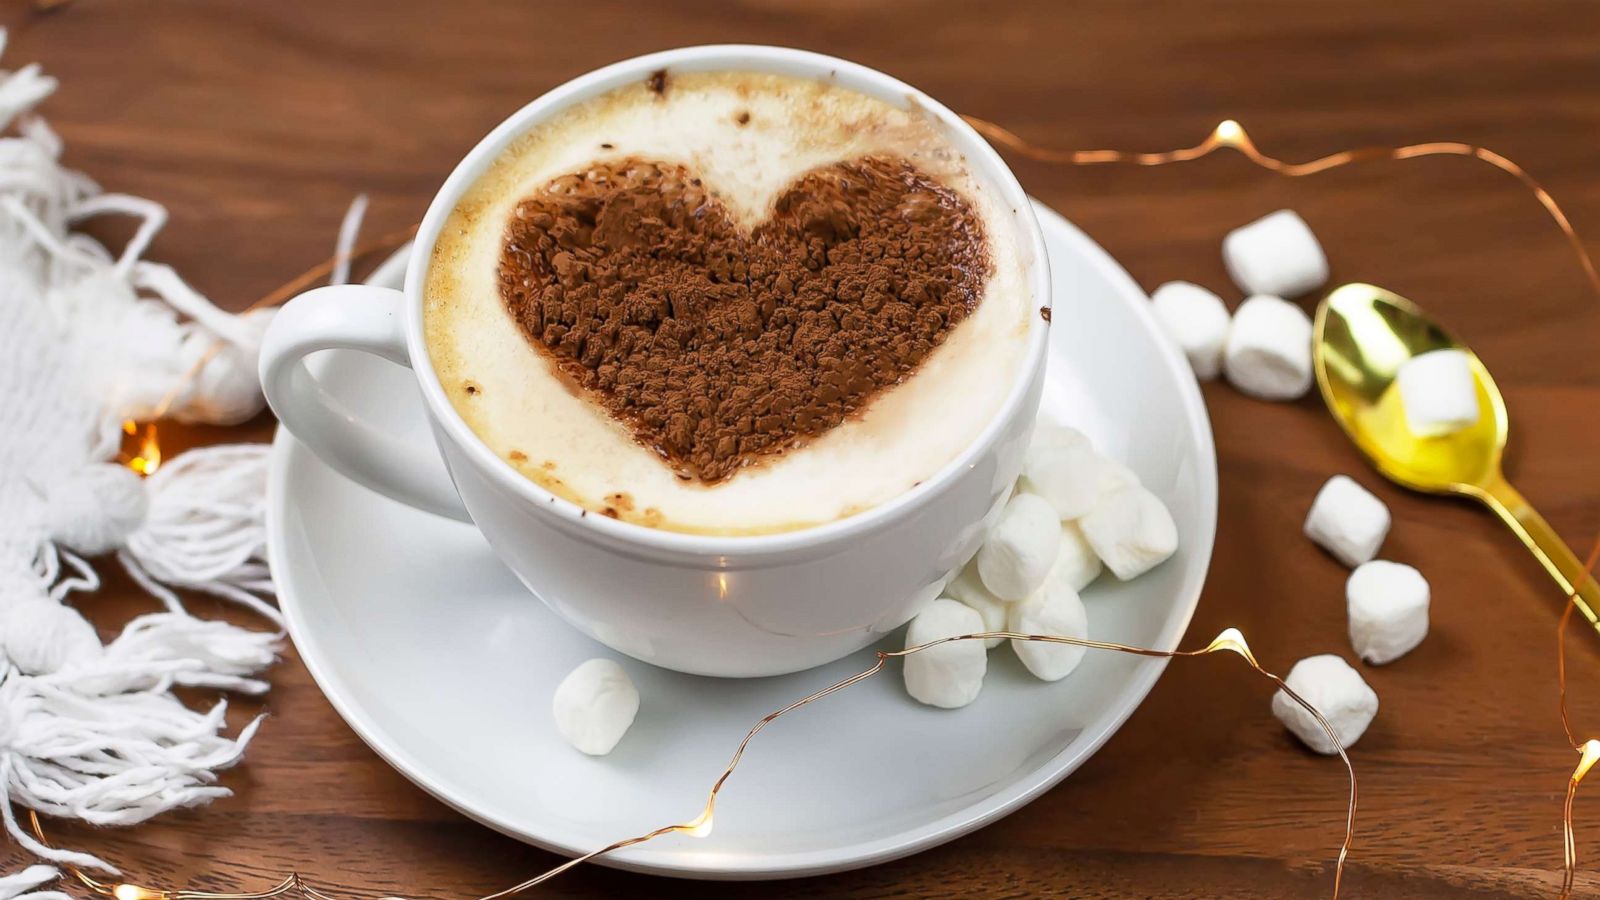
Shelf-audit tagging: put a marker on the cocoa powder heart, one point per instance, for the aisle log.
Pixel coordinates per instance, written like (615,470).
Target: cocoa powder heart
(715,345)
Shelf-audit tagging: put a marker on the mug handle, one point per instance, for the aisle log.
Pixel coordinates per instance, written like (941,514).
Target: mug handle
(350,317)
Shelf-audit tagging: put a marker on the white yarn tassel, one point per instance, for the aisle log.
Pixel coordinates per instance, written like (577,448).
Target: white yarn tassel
(94,509)
(153,214)
(22,90)
(108,759)
(164,281)
(89,338)
(161,649)
(41,636)
(206,528)
(21,885)
(220,384)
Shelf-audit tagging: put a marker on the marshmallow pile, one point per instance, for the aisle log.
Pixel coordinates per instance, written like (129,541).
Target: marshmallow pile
(1387,601)
(1074,514)
(1264,348)
(1387,605)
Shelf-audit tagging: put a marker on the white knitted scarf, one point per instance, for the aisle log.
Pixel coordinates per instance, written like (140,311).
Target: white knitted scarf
(90,338)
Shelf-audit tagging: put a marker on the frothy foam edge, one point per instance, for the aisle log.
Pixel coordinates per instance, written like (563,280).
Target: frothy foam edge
(516,402)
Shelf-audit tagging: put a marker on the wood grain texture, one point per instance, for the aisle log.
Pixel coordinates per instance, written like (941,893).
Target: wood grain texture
(256,122)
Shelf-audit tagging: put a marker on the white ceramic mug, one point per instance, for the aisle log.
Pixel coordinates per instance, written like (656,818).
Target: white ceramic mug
(730,606)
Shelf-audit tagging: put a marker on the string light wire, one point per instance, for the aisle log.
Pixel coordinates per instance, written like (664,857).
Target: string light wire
(277,297)
(1588,751)
(1230,640)
(1228,134)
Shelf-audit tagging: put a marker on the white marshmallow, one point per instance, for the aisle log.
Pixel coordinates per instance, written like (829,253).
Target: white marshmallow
(1115,476)
(1347,520)
(949,675)
(1076,564)
(1337,691)
(1268,354)
(1055,610)
(594,706)
(1018,553)
(1276,254)
(1055,437)
(1388,604)
(1131,531)
(1438,393)
(1196,321)
(1067,477)
(966,588)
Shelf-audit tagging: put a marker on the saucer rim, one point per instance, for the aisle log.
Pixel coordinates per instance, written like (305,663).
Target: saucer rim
(981,812)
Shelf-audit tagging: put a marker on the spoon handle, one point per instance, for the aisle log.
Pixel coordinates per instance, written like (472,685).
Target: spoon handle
(1558,559)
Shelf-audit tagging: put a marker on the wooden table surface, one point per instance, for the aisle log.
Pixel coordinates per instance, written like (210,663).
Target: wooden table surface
(255,123)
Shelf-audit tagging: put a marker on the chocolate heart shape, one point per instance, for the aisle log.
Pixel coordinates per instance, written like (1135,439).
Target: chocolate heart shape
(716,345)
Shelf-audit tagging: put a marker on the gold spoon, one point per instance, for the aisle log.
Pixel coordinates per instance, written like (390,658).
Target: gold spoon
(1362,335)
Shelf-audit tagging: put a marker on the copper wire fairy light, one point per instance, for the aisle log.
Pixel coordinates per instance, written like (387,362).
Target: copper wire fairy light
(1229,640)
(145,457)
(1229,134)
(1588,751)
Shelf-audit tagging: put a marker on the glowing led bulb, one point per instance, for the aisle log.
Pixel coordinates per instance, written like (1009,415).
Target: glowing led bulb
(147,458)
(1229,132)
(1232,639)
(1590,754)
(701,826)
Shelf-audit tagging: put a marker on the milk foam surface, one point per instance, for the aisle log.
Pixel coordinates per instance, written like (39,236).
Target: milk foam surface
(748,136)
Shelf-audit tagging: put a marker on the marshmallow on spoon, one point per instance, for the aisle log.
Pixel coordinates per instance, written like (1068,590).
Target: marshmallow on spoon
(1337,691)
(1388,604)
(1195,319)
(1019,552)
(594,706)
(1054,610)
(1438,393)
(949,675)
(1131,531)
(1348,521)
(1268,354)
(1276,254)
(966,588)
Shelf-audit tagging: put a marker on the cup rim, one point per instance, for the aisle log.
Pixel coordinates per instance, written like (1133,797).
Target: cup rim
(723,57)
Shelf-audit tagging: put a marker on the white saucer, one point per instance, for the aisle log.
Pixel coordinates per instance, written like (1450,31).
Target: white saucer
(444,664)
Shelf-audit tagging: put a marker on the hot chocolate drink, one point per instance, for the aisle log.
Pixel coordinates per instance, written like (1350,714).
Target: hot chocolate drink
(728,303)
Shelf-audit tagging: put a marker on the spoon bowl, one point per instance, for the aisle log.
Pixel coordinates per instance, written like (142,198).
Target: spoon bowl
(1363,334)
